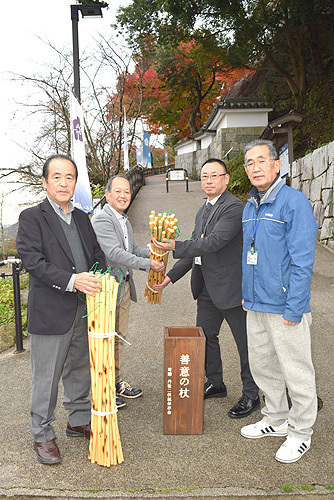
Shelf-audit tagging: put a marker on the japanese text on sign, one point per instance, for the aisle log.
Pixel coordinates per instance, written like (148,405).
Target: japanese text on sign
(169,390)
(176,175)
(184,376)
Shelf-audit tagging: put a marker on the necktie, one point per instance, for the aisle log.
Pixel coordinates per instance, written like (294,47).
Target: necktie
(206,213)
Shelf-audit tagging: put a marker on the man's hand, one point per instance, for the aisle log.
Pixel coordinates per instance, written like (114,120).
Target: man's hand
(165,244)
(290,323)
(157,266)
(87,283)
(159,288)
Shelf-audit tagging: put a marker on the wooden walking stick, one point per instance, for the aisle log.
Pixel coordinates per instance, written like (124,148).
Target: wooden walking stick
(161,226)
(105,445)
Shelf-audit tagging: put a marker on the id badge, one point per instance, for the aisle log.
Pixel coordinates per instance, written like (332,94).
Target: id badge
(198,261)
(252,258)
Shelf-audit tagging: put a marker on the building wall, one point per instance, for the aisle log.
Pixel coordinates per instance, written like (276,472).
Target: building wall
(313,175)
(221,143)
(243,118)
(188,147)
(206,141)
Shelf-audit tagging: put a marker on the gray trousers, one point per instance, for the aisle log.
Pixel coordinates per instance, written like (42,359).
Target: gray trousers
(54,357)
(280,358)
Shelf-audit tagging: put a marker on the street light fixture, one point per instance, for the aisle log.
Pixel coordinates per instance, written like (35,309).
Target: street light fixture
(87,10)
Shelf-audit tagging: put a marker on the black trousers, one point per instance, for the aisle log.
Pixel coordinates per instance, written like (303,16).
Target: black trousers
(210,318)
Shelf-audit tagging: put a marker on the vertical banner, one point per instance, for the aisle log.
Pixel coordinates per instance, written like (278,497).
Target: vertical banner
(149,160)
(82,194)
(146,146)
(139,156)
(126,154)
(166,158)
(283,156)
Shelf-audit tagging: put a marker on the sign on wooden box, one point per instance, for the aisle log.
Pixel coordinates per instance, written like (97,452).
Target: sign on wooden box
(184,364)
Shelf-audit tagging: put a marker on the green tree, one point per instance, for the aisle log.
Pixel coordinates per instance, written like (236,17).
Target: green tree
(296,37)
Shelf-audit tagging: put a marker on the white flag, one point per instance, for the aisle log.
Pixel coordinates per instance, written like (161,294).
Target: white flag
(82,194)
(126,154)
(139,156)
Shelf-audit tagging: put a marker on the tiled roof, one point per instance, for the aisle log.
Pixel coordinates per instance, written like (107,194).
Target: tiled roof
(243,103)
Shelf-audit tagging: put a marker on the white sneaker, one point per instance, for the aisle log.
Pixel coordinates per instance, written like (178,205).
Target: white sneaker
(292,450)
(261,429)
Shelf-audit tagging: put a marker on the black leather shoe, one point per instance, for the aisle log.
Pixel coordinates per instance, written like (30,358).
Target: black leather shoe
(212,391)
(244,407)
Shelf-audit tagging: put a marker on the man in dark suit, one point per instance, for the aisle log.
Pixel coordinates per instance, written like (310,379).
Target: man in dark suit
(58,247)
(214,255)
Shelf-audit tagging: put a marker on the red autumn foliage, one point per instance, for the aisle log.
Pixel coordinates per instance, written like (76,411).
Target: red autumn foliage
(174,93)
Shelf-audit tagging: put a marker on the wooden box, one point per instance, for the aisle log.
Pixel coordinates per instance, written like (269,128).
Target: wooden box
(184,366)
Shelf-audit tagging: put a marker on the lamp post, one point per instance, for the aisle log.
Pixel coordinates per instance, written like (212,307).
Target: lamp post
(87,10)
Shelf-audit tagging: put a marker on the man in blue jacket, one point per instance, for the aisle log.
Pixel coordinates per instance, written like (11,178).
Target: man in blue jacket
(279,232)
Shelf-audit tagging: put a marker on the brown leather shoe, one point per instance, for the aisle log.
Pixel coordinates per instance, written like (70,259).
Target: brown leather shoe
(47,453)
(79,431)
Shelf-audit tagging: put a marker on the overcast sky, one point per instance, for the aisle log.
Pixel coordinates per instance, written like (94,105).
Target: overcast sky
(26,26)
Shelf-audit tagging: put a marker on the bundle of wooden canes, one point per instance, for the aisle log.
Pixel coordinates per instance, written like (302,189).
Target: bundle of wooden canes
(161,226)
(105,444)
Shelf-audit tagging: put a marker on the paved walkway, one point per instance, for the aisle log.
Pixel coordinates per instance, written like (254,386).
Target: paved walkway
(218,464)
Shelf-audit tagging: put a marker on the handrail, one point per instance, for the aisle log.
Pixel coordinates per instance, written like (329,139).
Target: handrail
(136,176)
(16,268)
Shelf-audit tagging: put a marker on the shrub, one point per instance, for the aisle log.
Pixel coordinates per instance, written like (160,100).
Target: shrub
(239,184)
(7,309)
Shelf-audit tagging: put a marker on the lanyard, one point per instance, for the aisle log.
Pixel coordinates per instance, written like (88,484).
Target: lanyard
(256,225)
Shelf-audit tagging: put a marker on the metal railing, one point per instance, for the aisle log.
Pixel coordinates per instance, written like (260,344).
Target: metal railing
(16,268)
(136,176)
(157,170)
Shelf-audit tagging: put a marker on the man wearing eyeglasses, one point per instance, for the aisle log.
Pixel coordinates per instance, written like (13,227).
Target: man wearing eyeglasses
(279,232)
(214,255)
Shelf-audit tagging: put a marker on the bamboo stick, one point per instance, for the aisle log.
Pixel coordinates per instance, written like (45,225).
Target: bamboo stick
(105,446)
(161,226)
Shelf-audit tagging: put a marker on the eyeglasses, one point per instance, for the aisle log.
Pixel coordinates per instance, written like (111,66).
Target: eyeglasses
(261,162)
(213,177)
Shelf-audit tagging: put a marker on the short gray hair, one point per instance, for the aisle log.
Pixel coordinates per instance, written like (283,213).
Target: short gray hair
(59,156)
(262,142)
(109,183)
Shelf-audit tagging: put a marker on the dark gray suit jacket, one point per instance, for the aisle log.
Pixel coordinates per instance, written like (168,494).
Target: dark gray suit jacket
(220,250)
(46,255)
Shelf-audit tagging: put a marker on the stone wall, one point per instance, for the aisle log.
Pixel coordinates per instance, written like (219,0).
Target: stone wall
(313,175)
(222,142)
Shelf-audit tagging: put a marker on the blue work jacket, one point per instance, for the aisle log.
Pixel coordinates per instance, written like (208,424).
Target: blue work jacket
(283,230)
